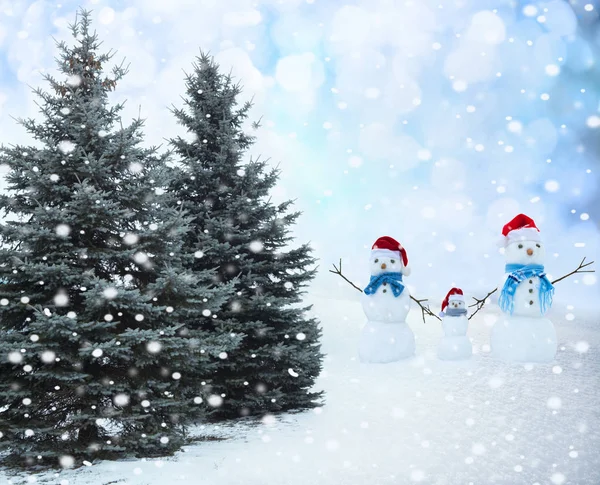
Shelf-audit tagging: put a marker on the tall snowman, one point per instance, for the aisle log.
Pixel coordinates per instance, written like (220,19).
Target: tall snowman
(523,334)
(386,301)
(454,345)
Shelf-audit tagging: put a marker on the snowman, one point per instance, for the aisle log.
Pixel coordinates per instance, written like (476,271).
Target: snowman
(454,345)
(523,334)
(386,301)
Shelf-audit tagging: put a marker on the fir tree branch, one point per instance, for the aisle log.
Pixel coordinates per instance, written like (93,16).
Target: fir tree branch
(425,310)
(479,303)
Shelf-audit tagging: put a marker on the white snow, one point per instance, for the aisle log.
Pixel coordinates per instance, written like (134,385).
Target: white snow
(416,421)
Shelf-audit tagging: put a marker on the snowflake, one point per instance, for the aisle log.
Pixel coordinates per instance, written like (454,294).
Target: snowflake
(63,230)
(48,357)
(131,239)
(215,400)
(66,147)
(110,292)
(121,399)
(153,347)
(61,298)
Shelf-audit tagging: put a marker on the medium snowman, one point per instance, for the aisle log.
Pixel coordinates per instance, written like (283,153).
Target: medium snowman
(523,334)
(454,345)
(386,301)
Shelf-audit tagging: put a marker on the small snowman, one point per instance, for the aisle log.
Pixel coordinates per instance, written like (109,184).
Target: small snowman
(386,301)
(454,345)
(524,334)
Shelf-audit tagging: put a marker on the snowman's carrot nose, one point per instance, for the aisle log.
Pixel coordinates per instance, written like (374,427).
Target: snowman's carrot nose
(383,266)
(530,252)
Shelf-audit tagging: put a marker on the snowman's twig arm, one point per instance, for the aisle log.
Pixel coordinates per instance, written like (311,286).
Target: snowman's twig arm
(480,302)
(578,270)
(338,271)
(425,310)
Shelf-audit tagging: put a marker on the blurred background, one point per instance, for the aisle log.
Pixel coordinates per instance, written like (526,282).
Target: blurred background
(434,122)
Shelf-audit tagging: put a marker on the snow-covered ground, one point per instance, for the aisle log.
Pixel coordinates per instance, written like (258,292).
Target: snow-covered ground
(419,421)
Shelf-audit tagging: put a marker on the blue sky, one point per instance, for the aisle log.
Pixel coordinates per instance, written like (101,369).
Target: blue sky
(429,121)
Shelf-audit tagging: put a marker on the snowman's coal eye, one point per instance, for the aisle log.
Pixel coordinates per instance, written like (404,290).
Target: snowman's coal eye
(392,261)
(520,246)
(377,261)
(538,245)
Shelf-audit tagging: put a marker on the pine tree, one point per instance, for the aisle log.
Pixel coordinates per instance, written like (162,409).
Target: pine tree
(101,327)
(239,231)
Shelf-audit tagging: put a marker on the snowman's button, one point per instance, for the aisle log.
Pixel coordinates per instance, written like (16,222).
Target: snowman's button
(385,291)
(530,282)
(531,302)
(530,290)
(384,283)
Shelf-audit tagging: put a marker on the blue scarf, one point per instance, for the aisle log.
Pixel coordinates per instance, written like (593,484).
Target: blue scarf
(392,279)
(518,273)
(454,312)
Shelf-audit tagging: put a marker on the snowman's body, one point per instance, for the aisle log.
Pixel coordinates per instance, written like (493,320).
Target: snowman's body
(386,337)
(524,335)
(454,345)
(383,306)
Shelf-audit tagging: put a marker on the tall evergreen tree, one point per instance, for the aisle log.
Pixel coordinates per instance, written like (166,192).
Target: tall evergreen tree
(102,345)
(244,235)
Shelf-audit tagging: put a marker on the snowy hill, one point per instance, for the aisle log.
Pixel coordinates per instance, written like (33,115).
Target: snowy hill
(419,421)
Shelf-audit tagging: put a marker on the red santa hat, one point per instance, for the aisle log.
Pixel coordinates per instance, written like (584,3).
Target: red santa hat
(455,294)
(388,247)
(521,228)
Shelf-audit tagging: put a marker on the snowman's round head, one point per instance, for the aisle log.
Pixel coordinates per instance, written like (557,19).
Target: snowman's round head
(525,252)
(385,264)
(456,304)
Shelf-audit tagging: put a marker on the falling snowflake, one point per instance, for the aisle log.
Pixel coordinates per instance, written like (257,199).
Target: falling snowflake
(110,292)
(97,353)
(131,239)
(63,230)
(74,80)
(66,146)
(15,357)
(48,357)
(292,372)
(300,336)
(140,257)
(554,402)
(215,400)
(61,298)
(66,461)
(136,167)
(121,399)
(256,246)
(153,347)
